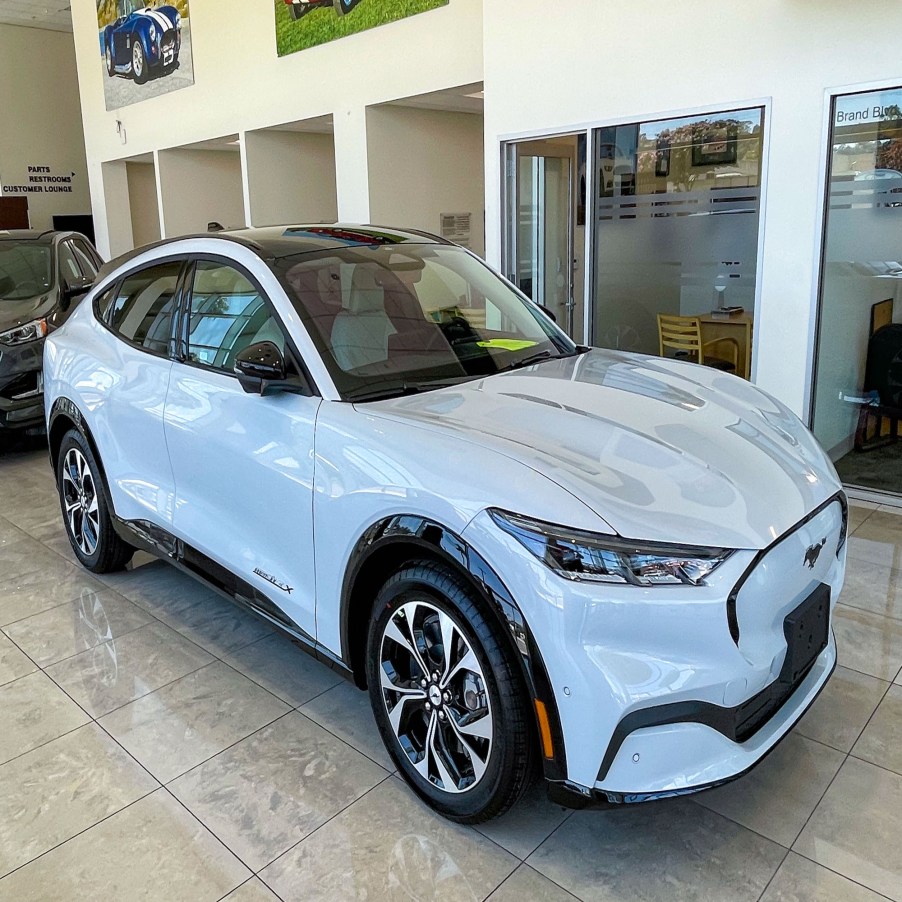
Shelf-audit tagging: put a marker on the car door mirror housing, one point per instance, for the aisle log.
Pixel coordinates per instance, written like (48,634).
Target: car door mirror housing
(260,365)
(72,289)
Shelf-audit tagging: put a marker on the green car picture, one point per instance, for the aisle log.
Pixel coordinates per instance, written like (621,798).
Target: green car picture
(299,8)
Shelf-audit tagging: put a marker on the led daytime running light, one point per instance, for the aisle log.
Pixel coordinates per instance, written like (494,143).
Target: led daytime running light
(585,556)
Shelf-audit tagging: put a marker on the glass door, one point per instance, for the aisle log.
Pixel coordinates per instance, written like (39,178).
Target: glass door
(540,223)
(857,405)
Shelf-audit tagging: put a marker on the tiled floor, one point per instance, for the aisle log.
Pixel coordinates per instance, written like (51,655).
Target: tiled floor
(157,743)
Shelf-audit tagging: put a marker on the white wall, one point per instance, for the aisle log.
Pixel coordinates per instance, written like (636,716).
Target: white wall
(590,61)
(290,177)
(199,187)
(143,203)
(40,121)
(242,85)
(423,163)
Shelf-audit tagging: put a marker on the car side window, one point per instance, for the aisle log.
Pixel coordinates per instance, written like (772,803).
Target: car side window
(70,271)
(85,258)
(143,307)
(228,314)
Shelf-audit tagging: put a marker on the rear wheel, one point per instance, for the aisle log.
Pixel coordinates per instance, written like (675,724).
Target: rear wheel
(298,10)
(86,508)
(447,695)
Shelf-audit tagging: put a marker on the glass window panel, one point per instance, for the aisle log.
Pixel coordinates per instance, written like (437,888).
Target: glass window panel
(676,226)
(228,314)
(859,294)
(142,310)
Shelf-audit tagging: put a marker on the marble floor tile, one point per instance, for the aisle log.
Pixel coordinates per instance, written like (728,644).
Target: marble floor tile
(856,830)
(388,845)
(842,709)
(801,880)
(286,670)
(26,555)
(29,594)
(777,796)
(34,710)
(117,672)
(179,726)
(881,742)
(528,824)
(183,603)
(873,587)
(269,791)
(527,885)
(859,511)
(867,642)
(878,540)
(252,891)
(13,662)
(667,850)
(345,711)
(76,626)
(55,791)
(169,857)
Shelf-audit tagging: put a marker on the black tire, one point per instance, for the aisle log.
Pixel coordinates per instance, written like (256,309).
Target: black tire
(506,759)
(140,73)
(110,68)
(296,11)
(110,552)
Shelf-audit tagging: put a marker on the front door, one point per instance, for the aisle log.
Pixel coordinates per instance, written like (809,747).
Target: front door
(540,259)
(243,463)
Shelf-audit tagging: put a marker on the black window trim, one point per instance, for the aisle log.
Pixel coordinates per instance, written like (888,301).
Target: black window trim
(82,244)
(307,385)
(116,284)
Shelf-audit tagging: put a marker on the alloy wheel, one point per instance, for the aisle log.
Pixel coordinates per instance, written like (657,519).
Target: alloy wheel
(80,500)
(436,696)
(137,60)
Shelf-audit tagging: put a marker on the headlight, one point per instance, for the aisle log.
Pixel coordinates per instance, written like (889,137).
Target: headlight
(153,33)
(579,555)
(21,334)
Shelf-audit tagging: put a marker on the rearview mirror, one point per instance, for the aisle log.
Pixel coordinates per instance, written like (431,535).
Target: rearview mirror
(259,365)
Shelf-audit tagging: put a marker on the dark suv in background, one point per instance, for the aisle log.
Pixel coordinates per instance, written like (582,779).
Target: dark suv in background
(43,275)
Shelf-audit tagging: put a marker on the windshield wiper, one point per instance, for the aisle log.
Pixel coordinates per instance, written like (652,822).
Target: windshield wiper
(397,390)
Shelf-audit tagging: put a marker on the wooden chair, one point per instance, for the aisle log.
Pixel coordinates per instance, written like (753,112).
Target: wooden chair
(683,336)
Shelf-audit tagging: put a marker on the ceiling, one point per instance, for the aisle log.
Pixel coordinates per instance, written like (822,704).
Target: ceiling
(52,14)
(463,99)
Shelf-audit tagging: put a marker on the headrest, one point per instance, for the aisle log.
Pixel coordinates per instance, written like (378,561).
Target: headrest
(366,295)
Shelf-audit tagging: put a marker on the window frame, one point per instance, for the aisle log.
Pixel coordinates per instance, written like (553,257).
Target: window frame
(117,283)
(61,279)
(303,384)
(83,247)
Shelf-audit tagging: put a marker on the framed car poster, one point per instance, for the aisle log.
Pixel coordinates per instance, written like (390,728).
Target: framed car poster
(145,49)
(305,23)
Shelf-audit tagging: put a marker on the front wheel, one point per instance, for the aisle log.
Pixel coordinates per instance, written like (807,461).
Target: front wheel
(447,695)
(298,11)
(139,63)
(110,68)
(86,509)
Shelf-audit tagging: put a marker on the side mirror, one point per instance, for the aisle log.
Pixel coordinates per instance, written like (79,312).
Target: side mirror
(258,365)
(72,289)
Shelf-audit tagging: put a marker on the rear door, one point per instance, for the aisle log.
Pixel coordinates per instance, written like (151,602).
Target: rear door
(243,463)
(132,379)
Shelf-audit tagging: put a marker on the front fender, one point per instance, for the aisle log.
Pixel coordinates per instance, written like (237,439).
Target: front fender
(392,541)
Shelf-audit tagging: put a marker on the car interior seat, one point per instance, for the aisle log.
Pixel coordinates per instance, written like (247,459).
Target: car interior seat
(361,332)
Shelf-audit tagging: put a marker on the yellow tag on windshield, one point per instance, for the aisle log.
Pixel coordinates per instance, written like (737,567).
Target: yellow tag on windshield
(507,344)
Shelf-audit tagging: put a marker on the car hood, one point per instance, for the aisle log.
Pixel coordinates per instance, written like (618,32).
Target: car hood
(660,450)
(18,312)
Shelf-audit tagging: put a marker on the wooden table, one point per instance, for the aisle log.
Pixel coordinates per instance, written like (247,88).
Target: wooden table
(738,327)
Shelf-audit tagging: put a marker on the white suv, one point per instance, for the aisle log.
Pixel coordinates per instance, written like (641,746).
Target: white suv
(620,566)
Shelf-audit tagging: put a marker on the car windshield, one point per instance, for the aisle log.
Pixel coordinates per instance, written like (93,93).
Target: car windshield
(127,7)
(25,270)
(389,320)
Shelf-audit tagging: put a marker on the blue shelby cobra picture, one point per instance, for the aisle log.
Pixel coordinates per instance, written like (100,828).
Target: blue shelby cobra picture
(142,41)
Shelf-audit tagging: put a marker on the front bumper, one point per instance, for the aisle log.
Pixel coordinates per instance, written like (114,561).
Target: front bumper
(629,666)
(21,386)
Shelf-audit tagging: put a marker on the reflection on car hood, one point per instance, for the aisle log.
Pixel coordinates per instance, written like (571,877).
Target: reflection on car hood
(16,313)
(661,450)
